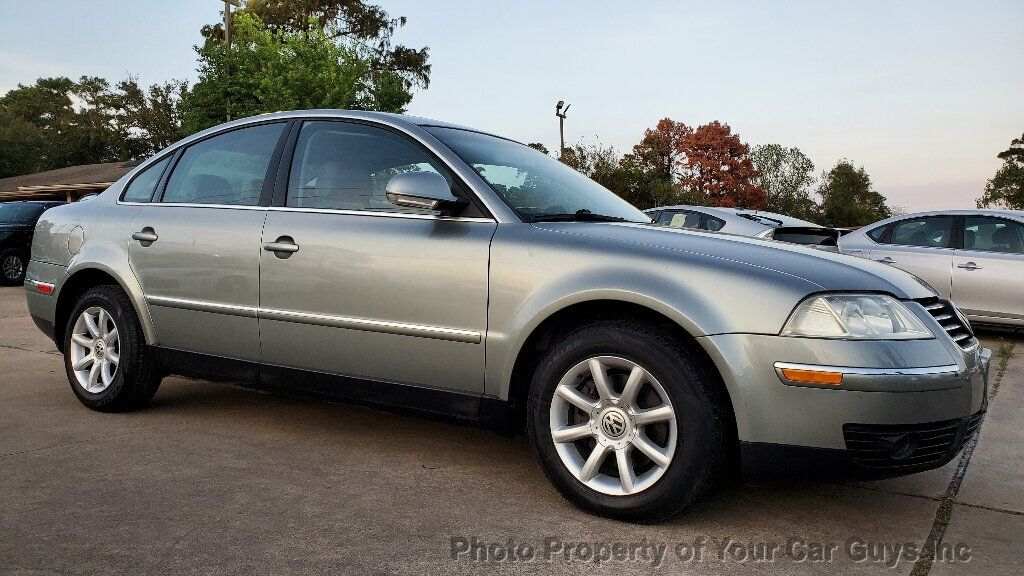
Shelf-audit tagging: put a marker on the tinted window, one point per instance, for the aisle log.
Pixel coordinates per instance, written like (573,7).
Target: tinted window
(532,182)
(20,213)
(143,186)
(993,235)
(225,169)
(878,233)
(347,166)
(679,219)
(713,224)
(933,232)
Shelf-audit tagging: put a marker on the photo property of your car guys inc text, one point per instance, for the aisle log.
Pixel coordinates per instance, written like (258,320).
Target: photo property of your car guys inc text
(396,287)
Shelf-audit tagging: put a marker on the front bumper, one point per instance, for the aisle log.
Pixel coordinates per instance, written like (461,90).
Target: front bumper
(897,394)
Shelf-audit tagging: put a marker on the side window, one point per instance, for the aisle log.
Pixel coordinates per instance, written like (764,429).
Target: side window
(713,224)
(878,233)
(225,169)
(141,189)
(931,232)
(679,219)
(347,166)
(993,235)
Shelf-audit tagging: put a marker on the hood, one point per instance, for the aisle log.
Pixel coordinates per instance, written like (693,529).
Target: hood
(831,272)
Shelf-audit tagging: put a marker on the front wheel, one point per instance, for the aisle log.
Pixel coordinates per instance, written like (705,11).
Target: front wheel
(12,267)
(625,422)
(108,364)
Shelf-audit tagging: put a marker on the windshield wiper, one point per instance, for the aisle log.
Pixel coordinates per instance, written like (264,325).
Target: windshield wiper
(583,215)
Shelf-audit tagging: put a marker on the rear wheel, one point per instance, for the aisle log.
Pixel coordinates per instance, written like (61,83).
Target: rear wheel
(108,364)
(12,267)
(625,422)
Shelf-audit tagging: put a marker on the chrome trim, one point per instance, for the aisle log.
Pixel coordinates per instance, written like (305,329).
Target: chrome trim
(381,213)
(925,371)
(203,306)
(193,205)
(385,327)
(348,322)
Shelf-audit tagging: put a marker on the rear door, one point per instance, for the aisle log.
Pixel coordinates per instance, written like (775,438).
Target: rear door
(196,248)
(988,271)
(921,246)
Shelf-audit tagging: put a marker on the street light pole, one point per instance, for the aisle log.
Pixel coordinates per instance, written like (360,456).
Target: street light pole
(561,126)
(227,38)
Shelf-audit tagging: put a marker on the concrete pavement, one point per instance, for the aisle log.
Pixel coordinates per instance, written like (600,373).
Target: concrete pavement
(217,479)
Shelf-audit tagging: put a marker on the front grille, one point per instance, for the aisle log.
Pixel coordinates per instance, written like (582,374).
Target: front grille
(951,321)
(909,447)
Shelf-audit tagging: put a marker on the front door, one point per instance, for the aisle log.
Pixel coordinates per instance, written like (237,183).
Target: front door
(988,272)
(196,249)
(352,285)
(921,246)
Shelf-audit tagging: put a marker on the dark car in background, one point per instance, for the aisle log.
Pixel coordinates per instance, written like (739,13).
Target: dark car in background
(17,222)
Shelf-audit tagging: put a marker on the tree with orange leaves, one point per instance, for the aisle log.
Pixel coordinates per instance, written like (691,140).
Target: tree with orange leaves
(718,168)
(660,152)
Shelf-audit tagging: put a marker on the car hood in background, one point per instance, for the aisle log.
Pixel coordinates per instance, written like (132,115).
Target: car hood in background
(828,270)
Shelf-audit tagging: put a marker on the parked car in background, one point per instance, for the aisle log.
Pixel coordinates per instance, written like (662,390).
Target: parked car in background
(408,262)
(756,223)
(17,222)
(972,257)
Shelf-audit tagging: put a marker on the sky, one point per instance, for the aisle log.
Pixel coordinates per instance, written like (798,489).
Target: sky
(922,94)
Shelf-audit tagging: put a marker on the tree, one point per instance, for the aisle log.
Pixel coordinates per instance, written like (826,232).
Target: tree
(660,152)
(539,147)
(1006,188)
(603,164)
(151,117)
(266,70)
(785,175)
(848,198)
(719,168)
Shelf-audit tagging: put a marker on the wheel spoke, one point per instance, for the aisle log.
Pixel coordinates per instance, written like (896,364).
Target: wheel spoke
(84,363)
(652,451)
(106,373)
(633,384)
(82,340)
(659,414)
(593,463)
(94,375)
(90,323)
(113,357)
(571,433)
(626,476)
(102,321)
(600,374)
(576,398)
(110,337)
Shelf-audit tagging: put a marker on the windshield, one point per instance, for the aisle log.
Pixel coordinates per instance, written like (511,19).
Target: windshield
(19,213)
(533,183)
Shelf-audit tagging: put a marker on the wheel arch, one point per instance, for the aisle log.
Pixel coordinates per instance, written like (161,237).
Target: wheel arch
(86,276)
(549,328)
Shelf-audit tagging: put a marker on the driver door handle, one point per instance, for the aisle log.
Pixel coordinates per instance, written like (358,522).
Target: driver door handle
(145,235)
(969,266)
(283,245)
(886,260)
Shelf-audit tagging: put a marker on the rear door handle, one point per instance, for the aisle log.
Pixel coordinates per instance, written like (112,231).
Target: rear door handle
(886,260)
(283,245)
(145,235)
(969,266)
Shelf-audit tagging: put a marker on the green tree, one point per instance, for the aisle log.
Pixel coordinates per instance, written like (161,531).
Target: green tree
(266,70)
(848,198)
(539,147)
(641,186)
(151,117)
(786,175)
(1006,188)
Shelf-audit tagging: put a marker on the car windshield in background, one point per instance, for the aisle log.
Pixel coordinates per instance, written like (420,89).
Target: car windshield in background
(19,213)
(534,184)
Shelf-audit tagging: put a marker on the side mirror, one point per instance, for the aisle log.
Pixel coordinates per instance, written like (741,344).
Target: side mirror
(424,190)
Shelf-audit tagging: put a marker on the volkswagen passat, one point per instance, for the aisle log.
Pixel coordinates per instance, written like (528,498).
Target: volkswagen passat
(407,262)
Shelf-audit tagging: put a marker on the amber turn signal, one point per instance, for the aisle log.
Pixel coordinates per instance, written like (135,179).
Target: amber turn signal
(813,376)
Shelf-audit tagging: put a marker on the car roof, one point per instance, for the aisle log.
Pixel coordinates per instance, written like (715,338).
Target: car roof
(1015,214)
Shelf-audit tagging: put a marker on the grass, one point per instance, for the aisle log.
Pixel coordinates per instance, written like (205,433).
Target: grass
(1004,353)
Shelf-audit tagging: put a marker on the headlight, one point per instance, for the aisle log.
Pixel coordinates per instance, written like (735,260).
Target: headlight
(856,316)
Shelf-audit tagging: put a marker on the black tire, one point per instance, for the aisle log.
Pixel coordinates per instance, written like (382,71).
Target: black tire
(138,372)
(12,276)
(699,415)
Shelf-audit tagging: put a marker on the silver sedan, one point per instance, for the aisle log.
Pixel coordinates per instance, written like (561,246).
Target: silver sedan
(416,264)
(973,257)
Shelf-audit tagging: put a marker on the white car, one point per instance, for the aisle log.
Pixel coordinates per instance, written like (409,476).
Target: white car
(756,223)
(972,257)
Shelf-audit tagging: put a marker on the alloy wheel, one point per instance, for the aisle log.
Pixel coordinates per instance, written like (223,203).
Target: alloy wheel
(13,267)
(95,349)
(613,425)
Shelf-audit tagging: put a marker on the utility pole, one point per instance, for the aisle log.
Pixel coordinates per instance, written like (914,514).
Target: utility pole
(561,126)
(227,38)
